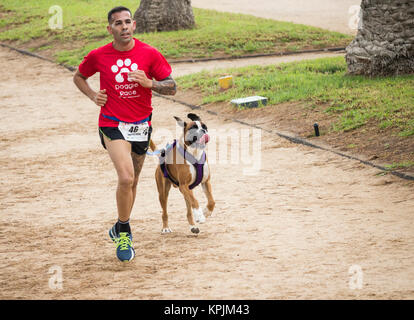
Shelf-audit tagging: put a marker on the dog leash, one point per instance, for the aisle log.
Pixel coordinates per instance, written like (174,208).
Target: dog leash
(162,152)
(154,153)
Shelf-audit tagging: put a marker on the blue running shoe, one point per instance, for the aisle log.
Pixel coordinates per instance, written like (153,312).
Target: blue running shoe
(123,241)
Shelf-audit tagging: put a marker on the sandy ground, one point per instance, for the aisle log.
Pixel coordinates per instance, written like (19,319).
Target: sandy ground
(334,15)
(294,230)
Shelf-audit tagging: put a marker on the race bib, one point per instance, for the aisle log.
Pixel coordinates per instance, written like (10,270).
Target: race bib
(134,132)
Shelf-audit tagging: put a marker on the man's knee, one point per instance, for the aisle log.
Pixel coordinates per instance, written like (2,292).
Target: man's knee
(126,180)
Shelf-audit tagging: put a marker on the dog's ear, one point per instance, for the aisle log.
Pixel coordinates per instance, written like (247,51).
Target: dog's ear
(180,122)
(193,117)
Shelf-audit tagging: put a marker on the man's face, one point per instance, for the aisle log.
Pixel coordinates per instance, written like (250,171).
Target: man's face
(122,26)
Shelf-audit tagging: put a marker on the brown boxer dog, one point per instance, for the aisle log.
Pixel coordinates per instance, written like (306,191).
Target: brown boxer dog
(184,165)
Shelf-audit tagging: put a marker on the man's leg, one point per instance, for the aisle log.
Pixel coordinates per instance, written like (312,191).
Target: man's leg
(120,153)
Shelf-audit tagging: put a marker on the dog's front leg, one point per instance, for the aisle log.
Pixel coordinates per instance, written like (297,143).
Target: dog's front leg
(208,210)
(193,208)
(163,186)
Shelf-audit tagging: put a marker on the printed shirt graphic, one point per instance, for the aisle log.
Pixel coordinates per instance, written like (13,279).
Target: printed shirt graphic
(127,101)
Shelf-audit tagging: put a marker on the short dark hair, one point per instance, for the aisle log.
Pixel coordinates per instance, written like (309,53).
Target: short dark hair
(117,9)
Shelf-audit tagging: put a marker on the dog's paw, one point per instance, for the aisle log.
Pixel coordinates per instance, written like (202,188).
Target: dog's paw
(199,216)
(207,213)
(201,219)
(166,230)
(194,229)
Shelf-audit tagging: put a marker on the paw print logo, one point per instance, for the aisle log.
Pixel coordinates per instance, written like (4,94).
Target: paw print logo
(123,66)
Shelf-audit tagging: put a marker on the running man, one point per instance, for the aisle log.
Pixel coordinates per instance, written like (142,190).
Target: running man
(129,71)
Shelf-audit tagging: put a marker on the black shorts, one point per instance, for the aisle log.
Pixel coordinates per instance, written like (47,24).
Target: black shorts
(113,133)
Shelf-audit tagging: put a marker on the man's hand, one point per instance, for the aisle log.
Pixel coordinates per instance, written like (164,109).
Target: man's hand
(81,82)
(140,77)
(100,98)
(166,86)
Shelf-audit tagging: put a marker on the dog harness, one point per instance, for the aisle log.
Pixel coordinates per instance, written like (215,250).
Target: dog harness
(198,165)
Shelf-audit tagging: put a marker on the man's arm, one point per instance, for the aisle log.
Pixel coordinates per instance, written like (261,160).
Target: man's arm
(81,82)
(166,86)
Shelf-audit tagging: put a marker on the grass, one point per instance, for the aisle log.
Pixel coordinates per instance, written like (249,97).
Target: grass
(28,20)
(400,165)
(355,100)
(215,34)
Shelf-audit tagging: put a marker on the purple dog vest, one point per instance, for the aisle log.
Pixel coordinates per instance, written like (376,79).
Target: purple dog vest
(198,165)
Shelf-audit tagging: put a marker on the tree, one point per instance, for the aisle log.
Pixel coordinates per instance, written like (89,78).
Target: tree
(384,44)
(164,15)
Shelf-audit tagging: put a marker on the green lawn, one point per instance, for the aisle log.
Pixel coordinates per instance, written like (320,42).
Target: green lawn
(215,34)
(354,99)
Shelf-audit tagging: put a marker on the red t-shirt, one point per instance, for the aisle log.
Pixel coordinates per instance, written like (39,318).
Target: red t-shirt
(127,101)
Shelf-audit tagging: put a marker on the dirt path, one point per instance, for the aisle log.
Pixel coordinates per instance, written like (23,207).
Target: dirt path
(181,69)
(333,15)
(292,231)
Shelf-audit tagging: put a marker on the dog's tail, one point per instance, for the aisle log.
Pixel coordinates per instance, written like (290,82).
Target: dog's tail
(152,145)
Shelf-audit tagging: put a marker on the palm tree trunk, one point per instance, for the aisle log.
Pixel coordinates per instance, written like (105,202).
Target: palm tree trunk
(164,15)
(384,44)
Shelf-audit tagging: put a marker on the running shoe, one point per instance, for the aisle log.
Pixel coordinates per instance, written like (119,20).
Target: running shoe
(123,241)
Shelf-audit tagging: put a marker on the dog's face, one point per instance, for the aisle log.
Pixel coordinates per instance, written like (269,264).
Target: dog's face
(195,132)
